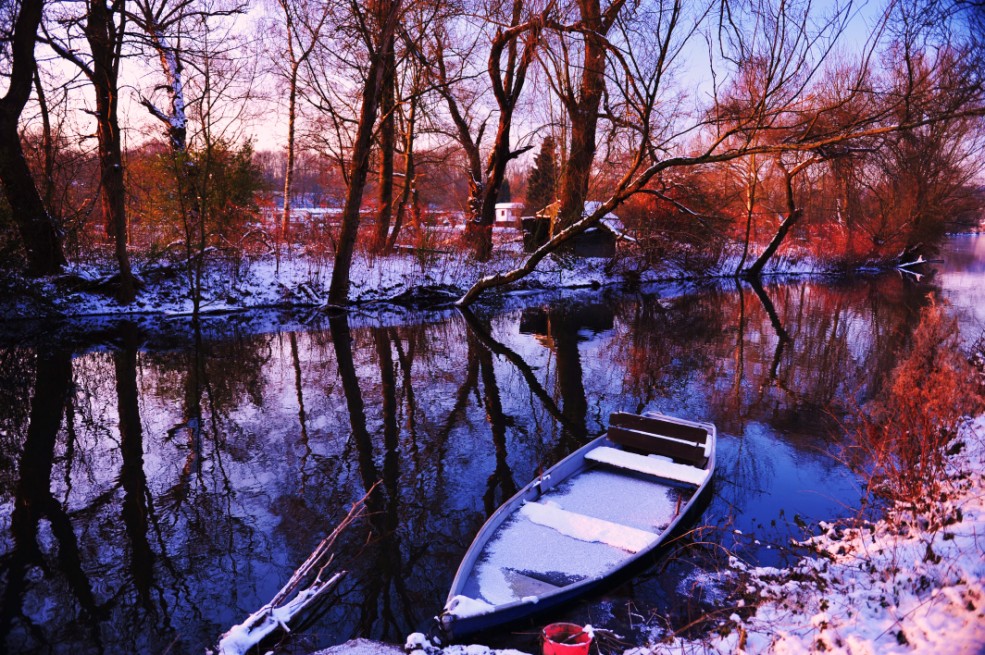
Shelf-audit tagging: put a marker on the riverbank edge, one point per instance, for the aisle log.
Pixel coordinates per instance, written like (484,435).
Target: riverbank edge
(396,282)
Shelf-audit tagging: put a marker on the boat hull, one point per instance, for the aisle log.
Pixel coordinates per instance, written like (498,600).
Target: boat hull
(501,568)
(458,628)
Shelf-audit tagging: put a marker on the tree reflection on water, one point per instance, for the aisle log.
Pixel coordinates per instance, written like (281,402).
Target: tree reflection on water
(160,484)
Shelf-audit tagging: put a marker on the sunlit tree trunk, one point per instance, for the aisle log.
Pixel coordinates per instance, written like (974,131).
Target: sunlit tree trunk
(388,144)
(408,194)
(583,111)
(751,184)
(292,101)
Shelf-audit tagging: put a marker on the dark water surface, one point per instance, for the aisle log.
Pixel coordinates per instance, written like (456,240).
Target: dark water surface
(160,481)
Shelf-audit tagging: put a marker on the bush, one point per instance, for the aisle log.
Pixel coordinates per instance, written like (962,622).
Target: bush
(906,430)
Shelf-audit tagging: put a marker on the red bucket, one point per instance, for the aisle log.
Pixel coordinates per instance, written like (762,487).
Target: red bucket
(566,639)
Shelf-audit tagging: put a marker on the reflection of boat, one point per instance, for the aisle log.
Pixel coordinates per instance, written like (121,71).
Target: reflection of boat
(598,511)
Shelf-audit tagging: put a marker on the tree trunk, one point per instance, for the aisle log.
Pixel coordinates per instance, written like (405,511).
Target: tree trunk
(285,221)
(478,230)
(47,145)
(583,115)
(794,214)
(388,143)
(757,267)
(409,192)
(39,236)
(751,181)
(507,83)
(338,292)
(105,43)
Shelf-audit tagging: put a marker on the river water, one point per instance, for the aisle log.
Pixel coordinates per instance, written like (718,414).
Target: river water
(160,480)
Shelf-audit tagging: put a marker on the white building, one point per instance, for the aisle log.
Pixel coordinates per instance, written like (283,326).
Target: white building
(508,214)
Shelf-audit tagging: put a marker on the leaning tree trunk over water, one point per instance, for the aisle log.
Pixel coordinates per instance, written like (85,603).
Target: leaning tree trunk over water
(794,214)
(39,236)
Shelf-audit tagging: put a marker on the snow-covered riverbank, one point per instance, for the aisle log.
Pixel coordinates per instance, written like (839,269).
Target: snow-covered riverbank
(411,277)
(228,286)
(912,582)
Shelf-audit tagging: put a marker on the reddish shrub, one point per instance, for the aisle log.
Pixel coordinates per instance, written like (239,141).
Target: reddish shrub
(906,430)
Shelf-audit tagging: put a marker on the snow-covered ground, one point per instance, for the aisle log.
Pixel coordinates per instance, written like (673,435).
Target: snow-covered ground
(912,582)
(299,280)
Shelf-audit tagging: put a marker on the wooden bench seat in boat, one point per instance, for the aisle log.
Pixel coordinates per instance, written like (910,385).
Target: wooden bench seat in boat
(654,466)
(653,425)
(647,443)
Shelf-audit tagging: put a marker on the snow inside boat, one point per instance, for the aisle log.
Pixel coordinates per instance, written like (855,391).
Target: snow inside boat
(598,511)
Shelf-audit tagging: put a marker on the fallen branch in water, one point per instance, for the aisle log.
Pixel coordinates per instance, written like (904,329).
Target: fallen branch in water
(290,607)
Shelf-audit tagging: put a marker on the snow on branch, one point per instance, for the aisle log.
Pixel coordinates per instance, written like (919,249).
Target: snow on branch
(291,606)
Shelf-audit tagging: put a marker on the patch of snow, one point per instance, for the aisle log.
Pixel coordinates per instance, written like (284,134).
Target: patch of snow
(587,528)
(418,644)
(367,647)
(908,583)
(463,606)
(649,465)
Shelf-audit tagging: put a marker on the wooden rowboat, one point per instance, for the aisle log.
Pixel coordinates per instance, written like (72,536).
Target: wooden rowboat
(595,513)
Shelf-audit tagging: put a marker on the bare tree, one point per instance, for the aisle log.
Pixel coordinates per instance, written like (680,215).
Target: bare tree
(158,20)
(409,115)
(103,26)
(388,143)
(513,49)
(378,24)
(788,114)
(304,21)
(580,89)
(39,235)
